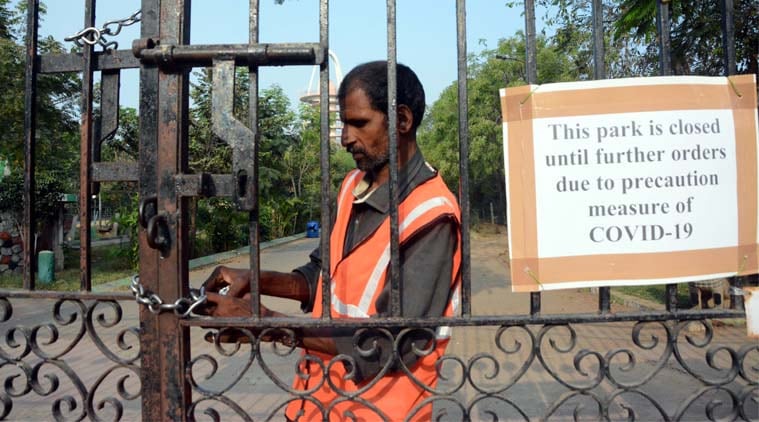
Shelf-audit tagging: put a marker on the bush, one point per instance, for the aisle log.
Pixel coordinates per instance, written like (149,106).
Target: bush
(220,227)
(127,218)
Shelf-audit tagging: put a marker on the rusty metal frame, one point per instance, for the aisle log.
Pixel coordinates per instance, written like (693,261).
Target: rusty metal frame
(166,363)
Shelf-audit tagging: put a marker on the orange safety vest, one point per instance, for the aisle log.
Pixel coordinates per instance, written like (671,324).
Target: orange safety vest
(357,281)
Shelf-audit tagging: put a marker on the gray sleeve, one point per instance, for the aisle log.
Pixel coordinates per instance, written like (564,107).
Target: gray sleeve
(310,272)
(427,262)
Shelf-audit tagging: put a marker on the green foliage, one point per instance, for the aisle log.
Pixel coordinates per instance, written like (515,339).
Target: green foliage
(47,195)
(289,167)
(696,33)
(631,38)
(57,131)
(657,293)
(124,144)
(489,71)
(220,227)
(127,219)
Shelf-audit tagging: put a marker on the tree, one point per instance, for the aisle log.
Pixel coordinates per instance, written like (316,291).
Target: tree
(57,105)
(696,34)
(631,36)
(57,130)
(46,207)
(286,166)
(488,71)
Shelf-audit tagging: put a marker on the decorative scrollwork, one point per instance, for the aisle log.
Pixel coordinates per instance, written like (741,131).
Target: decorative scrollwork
(496,377)
(495,408)
(12,337)
(716,371)
(241,335)
(623,362)
(621,383)
(214,414)
(749,402)
(6,310)
(41,360)
(715,407)
(748,372)
(127,340)
(623,398)
(588,364)
(96,408)
(48,334)
(17,385)
(576,402)
(63,408)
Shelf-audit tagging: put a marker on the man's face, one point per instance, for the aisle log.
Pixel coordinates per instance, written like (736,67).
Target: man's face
(364,131)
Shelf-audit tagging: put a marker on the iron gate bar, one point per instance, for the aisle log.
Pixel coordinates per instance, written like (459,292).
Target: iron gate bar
(239,138)
(121,171)
(473,321)
(324,157)
(599,72)
(665,69)
(599,50)
(728,36)
(531,76)
(107,122)
(48,294)
(73,62)
(205,185)
(284,54)
(663,29)
(30,137)
(85,156)
(728,45)
(110,83)
(254,257)
(394,267)
(463,98)
(171,160)
(150,378)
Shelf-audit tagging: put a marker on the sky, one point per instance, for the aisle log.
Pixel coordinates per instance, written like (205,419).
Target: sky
(426,34)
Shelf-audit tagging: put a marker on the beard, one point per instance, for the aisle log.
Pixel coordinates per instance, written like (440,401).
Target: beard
(370,163)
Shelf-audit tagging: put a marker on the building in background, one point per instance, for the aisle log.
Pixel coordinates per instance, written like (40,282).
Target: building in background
(313,97)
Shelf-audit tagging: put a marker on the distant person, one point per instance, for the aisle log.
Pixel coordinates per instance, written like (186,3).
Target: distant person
(430,258)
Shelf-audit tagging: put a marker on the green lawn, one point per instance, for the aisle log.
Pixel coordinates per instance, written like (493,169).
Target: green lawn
(108,264)
(656,293)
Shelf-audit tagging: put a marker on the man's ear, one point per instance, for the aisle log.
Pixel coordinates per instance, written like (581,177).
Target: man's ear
(405,119)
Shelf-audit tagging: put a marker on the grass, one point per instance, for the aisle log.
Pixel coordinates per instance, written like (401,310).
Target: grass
(656,293)
(107,264)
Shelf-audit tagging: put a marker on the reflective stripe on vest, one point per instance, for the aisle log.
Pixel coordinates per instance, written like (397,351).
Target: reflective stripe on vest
(376,277)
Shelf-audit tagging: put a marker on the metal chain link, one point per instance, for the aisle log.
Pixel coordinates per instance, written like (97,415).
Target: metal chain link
(182,307)
(92,35)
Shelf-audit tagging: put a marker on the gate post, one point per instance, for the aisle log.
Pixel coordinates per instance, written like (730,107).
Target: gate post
(163,154)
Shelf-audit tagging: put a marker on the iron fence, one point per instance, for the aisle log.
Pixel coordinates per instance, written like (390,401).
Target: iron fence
(556,354)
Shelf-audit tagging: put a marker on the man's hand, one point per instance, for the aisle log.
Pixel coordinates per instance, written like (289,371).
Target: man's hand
(237,279)
(219,305)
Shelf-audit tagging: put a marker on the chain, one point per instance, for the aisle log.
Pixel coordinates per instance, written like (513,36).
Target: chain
(182,307)
(92,35)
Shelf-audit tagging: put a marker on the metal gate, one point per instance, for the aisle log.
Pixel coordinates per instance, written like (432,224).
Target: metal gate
(152,370)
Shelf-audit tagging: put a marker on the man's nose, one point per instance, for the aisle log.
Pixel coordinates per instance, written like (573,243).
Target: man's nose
(345,138)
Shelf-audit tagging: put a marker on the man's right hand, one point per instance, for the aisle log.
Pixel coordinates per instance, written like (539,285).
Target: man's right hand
(237,279)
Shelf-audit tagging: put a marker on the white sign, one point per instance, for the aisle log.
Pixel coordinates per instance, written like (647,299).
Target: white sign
(631,181)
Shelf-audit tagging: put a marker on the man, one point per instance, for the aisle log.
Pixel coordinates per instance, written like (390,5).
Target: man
(429,221)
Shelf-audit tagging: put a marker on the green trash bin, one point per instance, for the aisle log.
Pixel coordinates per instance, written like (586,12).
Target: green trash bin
(46,267)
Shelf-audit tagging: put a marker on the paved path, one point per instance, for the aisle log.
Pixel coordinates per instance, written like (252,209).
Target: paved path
(493,362)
